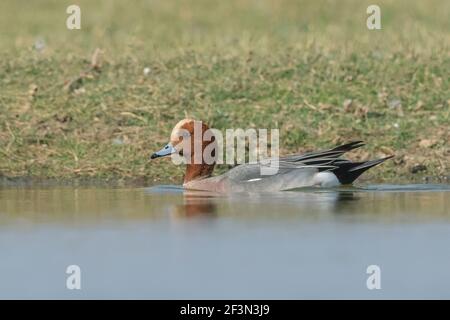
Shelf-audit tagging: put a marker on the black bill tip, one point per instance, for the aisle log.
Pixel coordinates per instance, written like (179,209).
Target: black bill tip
(154,156)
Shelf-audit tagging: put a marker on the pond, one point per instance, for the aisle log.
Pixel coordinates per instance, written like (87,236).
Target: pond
(165,243)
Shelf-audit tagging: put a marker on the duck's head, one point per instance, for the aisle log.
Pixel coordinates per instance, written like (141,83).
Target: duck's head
(194,141)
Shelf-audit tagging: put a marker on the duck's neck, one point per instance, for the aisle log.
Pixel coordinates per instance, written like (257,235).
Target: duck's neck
(198,171)
(197,168)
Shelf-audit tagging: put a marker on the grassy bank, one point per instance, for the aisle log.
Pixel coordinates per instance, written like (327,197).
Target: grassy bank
(79,104)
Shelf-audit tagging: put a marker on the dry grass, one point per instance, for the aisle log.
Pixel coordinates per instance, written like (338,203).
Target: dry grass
(309,68)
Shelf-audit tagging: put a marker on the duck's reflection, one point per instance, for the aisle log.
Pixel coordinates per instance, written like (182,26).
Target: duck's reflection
(345,202)
(197,204)
(311,202)
(204,204)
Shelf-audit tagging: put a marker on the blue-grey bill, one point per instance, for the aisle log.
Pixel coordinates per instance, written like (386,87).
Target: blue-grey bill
(167,150)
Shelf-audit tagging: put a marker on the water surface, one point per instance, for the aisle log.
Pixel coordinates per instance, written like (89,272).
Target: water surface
(162,242)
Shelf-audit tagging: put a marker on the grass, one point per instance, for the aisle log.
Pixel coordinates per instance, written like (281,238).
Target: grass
(310,68)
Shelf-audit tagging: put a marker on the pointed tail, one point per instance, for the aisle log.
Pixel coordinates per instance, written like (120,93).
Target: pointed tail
(347,171)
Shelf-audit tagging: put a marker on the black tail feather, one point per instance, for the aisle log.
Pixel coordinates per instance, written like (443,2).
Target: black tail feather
(345,170)
(349,146)
(319,157)
(348,171)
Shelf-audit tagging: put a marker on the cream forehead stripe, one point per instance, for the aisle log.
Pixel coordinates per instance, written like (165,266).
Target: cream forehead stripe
(174,136)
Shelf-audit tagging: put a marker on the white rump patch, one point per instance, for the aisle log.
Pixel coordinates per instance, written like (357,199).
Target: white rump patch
(326,179)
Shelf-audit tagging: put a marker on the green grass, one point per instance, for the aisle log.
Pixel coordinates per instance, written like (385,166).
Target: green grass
(234,64)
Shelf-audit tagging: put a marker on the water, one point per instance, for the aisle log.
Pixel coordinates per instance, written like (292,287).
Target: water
(161,242)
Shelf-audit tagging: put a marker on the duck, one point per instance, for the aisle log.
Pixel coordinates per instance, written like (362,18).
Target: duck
(323,168)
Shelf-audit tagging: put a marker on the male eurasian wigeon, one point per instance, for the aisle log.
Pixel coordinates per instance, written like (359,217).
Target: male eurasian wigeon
(322,168)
